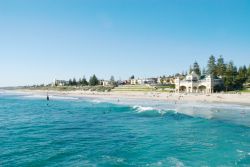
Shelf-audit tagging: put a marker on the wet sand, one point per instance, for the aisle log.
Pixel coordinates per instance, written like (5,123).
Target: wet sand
(241,99)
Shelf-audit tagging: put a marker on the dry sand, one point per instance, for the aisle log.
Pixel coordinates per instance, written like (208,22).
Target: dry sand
(242,99)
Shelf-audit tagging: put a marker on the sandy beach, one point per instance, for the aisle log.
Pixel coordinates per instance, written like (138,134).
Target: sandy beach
(242,99)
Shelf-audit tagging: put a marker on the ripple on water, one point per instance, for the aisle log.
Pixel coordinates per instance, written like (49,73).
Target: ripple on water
(91,133)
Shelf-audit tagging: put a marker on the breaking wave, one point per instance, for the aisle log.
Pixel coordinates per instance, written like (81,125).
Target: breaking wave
(150,110)
(231,113)
(143,109)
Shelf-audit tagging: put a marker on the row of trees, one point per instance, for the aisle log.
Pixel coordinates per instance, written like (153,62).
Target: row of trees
(93,81)
(233,77)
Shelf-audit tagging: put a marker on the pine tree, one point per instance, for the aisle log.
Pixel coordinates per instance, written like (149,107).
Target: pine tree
(84,81)
(211,66)
(132,77)
(221,67)
(74,83)
(70,82)
(196,68)
(190,69)
(112,80)
(93,81)
(241,77)
(229,76)
(79,82)
(248,74)
(245,71)
(203,71)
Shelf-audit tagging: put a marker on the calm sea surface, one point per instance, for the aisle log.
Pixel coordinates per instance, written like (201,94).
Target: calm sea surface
(82,132)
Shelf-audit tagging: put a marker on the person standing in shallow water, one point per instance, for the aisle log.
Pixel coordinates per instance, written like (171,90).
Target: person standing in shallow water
(47,97)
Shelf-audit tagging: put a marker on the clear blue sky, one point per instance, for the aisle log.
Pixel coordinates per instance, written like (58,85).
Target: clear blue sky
(46,39)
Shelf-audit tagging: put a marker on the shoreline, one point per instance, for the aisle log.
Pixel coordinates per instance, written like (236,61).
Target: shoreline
(220,98)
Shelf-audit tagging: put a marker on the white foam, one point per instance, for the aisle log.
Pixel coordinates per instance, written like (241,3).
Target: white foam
(34,96)
(230,112)
(143,109)
(96,101)
(63,97)
(113,159)
(50,96)
(239,151)
(175,162)
(169,161)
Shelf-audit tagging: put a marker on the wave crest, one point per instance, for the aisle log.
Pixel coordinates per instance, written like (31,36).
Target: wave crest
(143,109)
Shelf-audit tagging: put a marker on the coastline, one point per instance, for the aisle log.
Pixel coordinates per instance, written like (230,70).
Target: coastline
(220,98)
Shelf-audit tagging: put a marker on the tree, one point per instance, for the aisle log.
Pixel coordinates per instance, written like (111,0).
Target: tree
(84,81)
(79,82)
(196,68)
(221,67)
(229,77)
(74,83)
(211,66)
(248,73)
(241,77)
(203,71)
(132,77)
(70,82)
(244,70)
(112,80)
(93,81)
(190,69)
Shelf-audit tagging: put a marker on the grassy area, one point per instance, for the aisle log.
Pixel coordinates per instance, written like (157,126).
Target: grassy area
(98,88)
(140,88)
(164,86)
(133,87)
(245,91)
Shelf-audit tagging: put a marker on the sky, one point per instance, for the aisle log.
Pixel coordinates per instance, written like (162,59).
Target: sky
(44,40)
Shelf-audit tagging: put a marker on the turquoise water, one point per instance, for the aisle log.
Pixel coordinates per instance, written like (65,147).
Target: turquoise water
(93,133)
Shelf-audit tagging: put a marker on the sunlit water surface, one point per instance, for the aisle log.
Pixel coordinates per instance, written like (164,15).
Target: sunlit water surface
(91,132)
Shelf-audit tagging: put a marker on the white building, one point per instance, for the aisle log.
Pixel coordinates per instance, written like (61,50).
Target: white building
(192,84)
(140,81)
(133,82)
(143,81)
(150,81)
(106,83)
(60,82)
(165,80)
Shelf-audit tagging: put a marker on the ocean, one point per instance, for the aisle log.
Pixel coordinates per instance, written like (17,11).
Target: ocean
(103,133)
